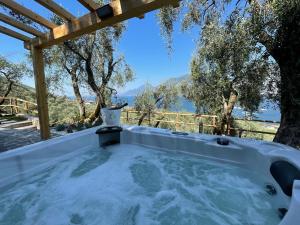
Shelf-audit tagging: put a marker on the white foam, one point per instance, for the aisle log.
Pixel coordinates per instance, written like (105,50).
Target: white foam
(128,184)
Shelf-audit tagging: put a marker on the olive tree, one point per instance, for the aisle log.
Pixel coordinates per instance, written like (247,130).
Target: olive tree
(273,24)
(90,60)
(103,69)
(228,67)
(10,76)
(151,99)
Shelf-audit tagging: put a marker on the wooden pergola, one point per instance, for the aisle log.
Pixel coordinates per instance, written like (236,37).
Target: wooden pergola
(73,27)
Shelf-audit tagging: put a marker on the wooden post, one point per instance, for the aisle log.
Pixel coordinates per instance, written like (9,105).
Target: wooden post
(11,106)
(41,91)
(16,106)
(149,118)
(201,127)
(214,122)
(229,127)
(176,123)
(240,133)
(127,116)
(26,107)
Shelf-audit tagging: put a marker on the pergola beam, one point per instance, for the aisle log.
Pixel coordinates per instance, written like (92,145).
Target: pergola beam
(6,19)
(41,91)
(117,11)
(57,9)
(11,4)
(14,34)
(89,4)
(122,10)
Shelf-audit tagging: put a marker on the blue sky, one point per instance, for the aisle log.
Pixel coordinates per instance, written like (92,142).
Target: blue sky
(142,46)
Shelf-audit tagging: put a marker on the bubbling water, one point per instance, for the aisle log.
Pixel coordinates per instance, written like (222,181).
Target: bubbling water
(128,184)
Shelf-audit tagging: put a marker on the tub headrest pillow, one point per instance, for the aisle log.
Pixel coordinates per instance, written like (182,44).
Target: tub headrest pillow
(285,173)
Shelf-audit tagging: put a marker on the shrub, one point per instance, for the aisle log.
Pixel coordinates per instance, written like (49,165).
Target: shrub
(60,127)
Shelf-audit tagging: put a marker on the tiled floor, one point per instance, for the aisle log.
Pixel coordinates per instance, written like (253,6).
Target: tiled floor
(13,138)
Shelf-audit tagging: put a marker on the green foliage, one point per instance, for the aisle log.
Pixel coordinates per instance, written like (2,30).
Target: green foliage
(169,92)
(92,63)
(79,126)
(88,125)
(265,22)
(145,101)
(62,110)
(166,18)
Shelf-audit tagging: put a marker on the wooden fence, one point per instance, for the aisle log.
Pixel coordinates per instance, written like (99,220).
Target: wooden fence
(177,119)
(16,105)
(181,119)
(199,121)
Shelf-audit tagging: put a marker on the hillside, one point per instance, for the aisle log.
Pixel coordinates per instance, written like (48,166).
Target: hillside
(19,90)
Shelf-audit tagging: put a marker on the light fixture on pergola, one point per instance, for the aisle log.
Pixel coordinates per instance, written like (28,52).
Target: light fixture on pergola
(97,18)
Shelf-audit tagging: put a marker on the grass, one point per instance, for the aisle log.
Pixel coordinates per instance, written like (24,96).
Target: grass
(257,126)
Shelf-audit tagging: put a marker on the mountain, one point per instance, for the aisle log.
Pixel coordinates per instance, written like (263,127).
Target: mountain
(175,80)
(136,91)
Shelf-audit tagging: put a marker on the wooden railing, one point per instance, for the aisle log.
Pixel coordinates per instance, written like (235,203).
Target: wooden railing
(240,131)
(180,119)
(16,105)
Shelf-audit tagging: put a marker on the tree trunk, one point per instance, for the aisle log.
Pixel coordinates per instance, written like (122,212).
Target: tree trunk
(97,111)
(289,129)
(98,92)
(141,119)
(79,99)
(228,108)
(286,54)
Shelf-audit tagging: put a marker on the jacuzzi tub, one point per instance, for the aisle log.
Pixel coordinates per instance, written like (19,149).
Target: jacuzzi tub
(40,183)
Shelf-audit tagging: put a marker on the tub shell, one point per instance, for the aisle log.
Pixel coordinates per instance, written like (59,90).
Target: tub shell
(20,163)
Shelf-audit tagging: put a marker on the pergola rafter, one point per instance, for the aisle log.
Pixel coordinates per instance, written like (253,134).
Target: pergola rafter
(14,34)
(6,19)
(98,17)
(57,9)
(17,8)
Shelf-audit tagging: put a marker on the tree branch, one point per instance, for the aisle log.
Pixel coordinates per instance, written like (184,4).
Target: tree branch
(67,44)
(266,40)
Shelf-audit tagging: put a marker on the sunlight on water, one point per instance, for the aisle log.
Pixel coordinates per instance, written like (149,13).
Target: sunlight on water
(134,185)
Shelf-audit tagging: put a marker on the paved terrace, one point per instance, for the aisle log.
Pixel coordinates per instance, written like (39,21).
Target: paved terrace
(15,134)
